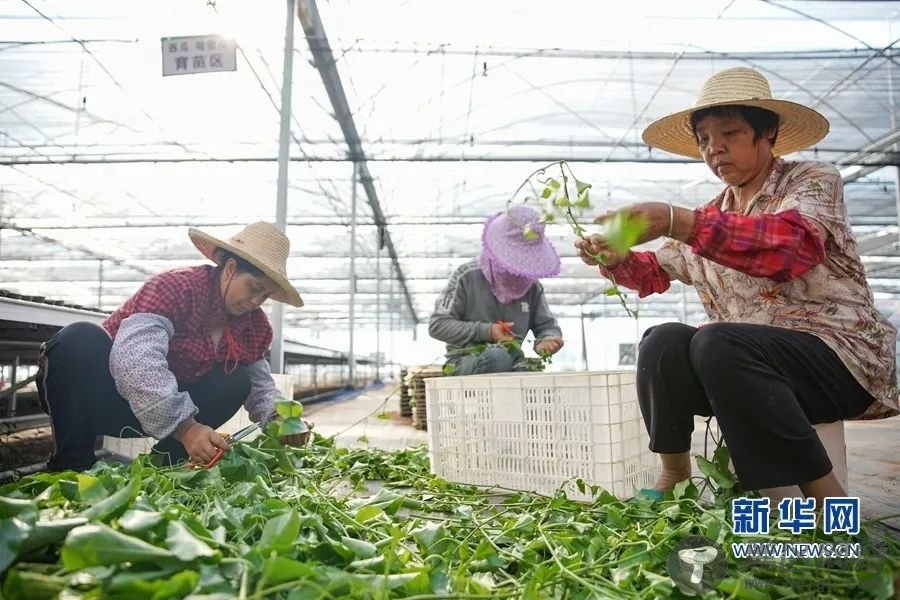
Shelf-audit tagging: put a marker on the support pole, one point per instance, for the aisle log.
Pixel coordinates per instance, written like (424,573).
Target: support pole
(12,382)
(897,191)
(100,285)
(378,307)
(276,352)
(351,359)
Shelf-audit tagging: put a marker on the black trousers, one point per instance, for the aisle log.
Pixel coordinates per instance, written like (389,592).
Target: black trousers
(767,387)
(77,391)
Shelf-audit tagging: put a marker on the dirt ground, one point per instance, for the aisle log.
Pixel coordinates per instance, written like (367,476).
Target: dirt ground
(25,448)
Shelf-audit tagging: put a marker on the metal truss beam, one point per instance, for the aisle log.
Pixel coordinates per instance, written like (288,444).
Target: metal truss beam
(324,61)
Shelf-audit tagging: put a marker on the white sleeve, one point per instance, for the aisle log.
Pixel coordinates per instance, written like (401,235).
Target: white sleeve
(138,365)
(260,402)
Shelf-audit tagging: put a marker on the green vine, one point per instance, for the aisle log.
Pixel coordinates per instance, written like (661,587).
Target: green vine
(538,363)
(621,230)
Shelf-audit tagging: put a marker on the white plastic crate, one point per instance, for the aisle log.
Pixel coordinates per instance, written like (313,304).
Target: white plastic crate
(539,431)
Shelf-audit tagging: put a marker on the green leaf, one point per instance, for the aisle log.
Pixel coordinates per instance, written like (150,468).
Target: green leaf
(278,569)
(680,488)
(26,585)
(548,217)
(114,504)
(392,581)
(735,588)
(530,234)
(11,507)
(13,532)
(361,548)
(612,291)
(288,408)
(449,369)
(880,585)
(581,186)
(184,545)
(367,513)
(562,202)
(722,457)
(258,455)
(432,537)
(440,583)
(135,521)
(280,533)
(91,489)
(615,519)
(553,184)
(272,428)
(373,564)
(671,512)
(292,426)
(177,586)
(584,200)
(97,544)
(45,533)
(622,231)
(714,530)
(713,471)
(137,582)
(548,191)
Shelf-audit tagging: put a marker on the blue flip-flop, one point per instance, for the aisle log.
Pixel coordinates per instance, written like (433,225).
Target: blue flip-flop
(647,494)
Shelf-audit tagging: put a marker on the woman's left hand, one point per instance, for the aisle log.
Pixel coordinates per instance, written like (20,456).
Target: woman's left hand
(298,440)
(548,345)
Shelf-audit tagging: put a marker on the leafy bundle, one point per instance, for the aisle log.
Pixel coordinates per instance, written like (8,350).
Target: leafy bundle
(322,522)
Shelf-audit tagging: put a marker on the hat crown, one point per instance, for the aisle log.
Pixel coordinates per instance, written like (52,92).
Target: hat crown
(799,126)
(735,85)
(515,241)
(261,244)
(266,243)
(517,219)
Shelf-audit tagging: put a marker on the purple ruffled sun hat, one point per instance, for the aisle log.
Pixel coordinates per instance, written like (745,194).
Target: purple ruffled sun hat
(514,240)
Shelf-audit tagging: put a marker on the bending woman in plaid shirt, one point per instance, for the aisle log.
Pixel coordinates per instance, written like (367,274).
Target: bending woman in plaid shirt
(794,337)
(177,360)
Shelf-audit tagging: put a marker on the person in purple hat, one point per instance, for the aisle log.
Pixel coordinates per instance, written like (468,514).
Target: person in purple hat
(498,297)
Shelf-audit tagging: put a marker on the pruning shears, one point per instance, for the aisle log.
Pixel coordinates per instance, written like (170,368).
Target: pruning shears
(231,439)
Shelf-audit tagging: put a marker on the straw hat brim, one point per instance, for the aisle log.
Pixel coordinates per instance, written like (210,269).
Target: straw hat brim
(207,245)
(799,127)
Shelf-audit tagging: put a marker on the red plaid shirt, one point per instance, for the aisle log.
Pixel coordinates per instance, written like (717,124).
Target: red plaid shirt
(190,298)
(781,246)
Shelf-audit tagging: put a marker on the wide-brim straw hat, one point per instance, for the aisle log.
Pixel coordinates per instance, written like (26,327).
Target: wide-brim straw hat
(799,126)
(262,245)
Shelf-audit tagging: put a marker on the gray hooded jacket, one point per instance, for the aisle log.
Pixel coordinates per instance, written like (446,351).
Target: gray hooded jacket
(466,309)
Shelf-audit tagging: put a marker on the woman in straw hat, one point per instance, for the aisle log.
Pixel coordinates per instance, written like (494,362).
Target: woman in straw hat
(498,297)
(177,359)
(795,338)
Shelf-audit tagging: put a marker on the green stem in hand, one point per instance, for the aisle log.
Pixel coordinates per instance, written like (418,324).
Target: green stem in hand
(563,201)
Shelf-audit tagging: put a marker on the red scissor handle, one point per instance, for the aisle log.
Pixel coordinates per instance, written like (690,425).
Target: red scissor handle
(505,327)
(216,458)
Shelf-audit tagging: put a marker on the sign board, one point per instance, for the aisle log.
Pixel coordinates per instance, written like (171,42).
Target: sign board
(198,54)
